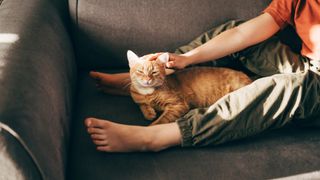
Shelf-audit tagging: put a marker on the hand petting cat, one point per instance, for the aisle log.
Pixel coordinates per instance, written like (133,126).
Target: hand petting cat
(177,61)
(174,95)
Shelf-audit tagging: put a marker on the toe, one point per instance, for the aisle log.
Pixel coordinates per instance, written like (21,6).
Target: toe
(100,142)
(98,123)
(98,136)
(92,130)
(88,122)
(93,122)
(94,74)
(104,148)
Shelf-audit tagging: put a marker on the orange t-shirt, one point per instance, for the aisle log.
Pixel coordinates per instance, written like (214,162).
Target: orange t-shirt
(304,16)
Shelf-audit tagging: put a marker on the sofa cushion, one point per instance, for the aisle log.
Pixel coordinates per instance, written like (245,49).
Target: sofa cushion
(288,151)
(104,30)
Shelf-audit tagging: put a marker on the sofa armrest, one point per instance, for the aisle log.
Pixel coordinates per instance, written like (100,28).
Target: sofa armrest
(15,160)
(37,80)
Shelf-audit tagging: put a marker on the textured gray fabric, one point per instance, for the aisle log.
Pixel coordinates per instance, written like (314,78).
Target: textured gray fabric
(72,6)
(279,153)
(37,83)
(37,77)
(106,29)
(15,162)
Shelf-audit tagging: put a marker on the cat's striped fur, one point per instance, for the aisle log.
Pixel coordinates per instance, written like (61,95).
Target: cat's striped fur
(174,95)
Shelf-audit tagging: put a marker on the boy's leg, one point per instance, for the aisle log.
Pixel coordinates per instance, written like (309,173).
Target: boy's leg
(117,84)
(308,113)
(272,57)
(217,124)
(267,103)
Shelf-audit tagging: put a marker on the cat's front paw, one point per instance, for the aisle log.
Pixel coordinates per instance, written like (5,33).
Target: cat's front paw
(150,115)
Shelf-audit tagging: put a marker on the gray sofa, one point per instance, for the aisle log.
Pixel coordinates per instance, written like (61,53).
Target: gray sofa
(47,48)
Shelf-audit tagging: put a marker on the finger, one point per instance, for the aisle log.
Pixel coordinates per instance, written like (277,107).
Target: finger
(170,64)
(157,54)
(154,56)
(172,57)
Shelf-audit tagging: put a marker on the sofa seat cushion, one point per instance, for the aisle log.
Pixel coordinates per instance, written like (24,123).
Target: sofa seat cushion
(273,154)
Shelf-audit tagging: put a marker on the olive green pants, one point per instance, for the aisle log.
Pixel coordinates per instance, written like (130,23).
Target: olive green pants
(287,91)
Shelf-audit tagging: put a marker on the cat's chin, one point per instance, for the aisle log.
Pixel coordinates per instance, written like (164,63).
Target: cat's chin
(149,85)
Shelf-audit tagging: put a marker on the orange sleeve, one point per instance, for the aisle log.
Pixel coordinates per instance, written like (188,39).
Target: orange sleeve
(281,11)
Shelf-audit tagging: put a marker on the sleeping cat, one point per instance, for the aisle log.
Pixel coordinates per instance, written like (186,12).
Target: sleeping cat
(175,94)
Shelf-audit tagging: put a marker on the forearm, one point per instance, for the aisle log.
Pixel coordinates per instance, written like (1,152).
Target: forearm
(226,43)
(233,40)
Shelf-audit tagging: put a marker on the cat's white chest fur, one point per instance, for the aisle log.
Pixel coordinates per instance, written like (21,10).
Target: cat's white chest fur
(145,91)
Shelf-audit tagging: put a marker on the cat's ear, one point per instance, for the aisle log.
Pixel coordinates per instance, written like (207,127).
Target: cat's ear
(163,58)
(132,58)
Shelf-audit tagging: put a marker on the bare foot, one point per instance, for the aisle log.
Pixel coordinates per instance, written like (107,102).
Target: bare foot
(114,137)
(112,83)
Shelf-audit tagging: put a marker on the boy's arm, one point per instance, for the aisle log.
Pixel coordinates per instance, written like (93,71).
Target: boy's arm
(247,34)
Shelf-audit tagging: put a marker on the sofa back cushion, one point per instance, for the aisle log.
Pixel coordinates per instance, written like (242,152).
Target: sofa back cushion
(105,29)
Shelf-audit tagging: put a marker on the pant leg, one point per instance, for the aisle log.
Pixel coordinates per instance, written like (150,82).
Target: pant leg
(272,57)
(308,113)
(289,92)
(268,103)
(264,59)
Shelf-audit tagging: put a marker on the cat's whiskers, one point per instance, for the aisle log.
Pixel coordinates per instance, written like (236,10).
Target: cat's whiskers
(127,85)
(175,94)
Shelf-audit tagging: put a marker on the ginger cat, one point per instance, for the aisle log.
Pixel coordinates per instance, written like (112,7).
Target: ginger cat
(174,95)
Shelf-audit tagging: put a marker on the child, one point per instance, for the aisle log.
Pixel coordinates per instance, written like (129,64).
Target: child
(289,90)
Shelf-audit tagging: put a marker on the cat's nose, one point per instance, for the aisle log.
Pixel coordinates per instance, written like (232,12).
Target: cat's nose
(149,81)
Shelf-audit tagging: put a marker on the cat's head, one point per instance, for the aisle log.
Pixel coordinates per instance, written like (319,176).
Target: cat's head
(145,71)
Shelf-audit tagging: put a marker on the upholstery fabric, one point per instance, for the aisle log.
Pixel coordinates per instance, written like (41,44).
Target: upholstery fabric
(278,153)
(105,30)
(37,79)
(15,162)
(46,50)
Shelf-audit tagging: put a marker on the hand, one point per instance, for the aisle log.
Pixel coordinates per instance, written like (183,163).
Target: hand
(152,57)
(177,61)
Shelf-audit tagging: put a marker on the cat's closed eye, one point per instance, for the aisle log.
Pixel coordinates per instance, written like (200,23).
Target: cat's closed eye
(140,71)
